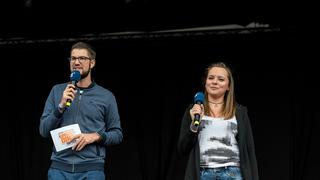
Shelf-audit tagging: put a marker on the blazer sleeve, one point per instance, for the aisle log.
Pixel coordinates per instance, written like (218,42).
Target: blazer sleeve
(187,138)
(250,146)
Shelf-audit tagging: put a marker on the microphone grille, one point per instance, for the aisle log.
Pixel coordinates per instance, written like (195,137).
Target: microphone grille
(199,98)
(75,76)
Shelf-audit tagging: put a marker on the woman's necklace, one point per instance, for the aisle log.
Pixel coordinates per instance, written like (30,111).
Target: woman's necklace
(215,104)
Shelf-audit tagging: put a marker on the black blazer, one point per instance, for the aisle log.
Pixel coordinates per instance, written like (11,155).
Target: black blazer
(188,145)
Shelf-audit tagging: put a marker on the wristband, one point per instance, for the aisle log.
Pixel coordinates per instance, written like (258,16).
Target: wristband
(61,108)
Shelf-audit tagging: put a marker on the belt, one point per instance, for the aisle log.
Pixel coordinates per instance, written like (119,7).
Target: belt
(77,167)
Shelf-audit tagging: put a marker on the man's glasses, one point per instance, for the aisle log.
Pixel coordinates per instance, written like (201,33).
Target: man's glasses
(80,58)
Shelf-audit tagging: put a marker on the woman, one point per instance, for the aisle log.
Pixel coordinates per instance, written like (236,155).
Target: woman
(223,146)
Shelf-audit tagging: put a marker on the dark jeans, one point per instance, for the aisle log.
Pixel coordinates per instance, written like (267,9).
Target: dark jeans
(222,173)
(56,174)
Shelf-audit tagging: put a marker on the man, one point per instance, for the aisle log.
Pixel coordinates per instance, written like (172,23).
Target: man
(93,108)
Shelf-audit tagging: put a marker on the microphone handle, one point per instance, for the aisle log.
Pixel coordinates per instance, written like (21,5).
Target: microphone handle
(196,119)
(68,103)
(197,116)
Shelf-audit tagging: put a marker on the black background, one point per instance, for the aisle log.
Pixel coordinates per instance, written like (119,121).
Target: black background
(154,78)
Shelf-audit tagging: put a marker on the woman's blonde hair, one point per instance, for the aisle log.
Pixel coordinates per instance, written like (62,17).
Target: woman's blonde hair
(229,105)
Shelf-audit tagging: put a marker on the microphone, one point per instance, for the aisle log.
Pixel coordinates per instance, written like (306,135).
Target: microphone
(198,99)
(74,78)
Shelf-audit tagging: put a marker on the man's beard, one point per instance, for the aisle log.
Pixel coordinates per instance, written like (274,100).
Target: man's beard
(85,73)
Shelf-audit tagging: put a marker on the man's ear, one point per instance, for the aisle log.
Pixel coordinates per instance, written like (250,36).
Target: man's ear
(92,63)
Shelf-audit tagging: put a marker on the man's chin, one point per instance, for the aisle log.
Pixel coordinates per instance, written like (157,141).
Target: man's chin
(84,74)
